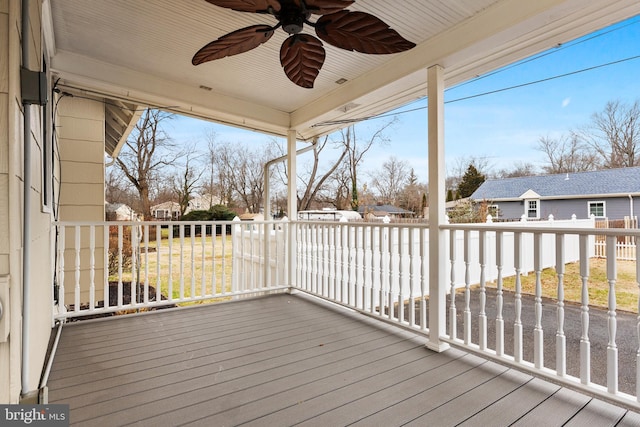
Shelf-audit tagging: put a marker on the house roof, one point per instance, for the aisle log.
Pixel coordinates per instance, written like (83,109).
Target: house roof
(140,52)
(383,210)
(166,205)
(609,182)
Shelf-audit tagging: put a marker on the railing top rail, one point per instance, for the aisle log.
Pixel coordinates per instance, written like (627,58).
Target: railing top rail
(558,229)
(176,223)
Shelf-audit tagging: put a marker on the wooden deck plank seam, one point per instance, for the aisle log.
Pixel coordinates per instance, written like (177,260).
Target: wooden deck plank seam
(263,360)
(191,332)
(154,367)
(213,344)
(290,372)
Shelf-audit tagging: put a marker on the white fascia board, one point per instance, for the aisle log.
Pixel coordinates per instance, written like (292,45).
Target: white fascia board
(100,78)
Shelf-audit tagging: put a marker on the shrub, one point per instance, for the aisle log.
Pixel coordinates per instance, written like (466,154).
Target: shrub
(113,250)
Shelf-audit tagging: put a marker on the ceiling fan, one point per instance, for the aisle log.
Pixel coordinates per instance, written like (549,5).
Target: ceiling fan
(302,55)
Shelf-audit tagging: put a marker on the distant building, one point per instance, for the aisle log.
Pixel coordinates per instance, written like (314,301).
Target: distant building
(328,215)
(119,212)
(610,193)
(380,211)
(167,211)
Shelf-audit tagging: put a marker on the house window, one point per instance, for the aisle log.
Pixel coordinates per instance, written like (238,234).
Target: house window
(532,208)
(597,209)
(494,211)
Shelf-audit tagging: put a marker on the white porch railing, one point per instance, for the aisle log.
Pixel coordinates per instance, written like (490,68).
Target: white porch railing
(378,269)
(111,267)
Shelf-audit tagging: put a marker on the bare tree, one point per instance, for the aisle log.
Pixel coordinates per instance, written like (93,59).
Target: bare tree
(186,182)
(413,196)
(146,151)
(567,154)
(516,170)
(390,180)
(614,134)
(356,150)
(241,173)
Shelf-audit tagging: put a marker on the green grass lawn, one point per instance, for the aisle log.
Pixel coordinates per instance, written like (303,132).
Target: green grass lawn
(626,285)
(213,262)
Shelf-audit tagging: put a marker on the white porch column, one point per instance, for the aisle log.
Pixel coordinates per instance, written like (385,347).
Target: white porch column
(437,255)
(292,205)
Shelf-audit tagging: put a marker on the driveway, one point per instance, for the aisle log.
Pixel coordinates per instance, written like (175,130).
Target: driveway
(626,335)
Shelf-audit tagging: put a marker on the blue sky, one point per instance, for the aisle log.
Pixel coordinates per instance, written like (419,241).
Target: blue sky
(503,127)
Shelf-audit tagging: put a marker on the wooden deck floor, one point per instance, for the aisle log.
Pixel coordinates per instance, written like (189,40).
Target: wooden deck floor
(287,360)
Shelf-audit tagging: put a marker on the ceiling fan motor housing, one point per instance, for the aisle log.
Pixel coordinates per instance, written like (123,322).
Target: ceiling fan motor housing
(292,17)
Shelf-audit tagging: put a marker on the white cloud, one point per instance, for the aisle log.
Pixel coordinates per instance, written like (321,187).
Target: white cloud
(566,102)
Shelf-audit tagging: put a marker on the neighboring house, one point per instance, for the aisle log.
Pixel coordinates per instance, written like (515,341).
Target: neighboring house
(166,211)
(120,212)
(202,202)
(611,193)
(380,211)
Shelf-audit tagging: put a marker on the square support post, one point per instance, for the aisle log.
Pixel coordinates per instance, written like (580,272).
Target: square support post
(292,208)
(437,251)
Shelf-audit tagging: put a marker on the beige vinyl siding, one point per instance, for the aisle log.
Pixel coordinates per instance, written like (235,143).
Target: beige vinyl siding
(11,207)
(80,129)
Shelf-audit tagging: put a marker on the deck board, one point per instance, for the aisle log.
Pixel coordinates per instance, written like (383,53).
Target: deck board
(288,360)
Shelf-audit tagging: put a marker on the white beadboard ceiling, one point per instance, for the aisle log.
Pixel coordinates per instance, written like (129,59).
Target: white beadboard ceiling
(140,51)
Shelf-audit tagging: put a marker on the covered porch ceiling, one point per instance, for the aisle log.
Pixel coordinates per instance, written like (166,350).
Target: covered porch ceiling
(140,52)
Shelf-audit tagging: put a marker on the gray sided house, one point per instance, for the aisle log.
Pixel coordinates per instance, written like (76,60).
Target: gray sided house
(611,193)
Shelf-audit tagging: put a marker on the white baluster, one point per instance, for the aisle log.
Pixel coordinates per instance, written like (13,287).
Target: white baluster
(402,272)
(158,277)
(424,241)
(538,337)
(181,228)
(452,292)
(467,287)
(392,269)
(170,284)
(105,289)
(134,267)
(119,301)
(612,348)
(203,239)
(146,264)
(61,246)
(411,266)
(499,295)
(561,340)
(92,267)
(585,345)
(345,231)
(482,316)
(517,326)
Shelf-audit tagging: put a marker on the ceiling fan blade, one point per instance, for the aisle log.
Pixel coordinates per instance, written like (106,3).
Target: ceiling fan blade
(361,32)
(256,6)
(239,41)
(302,56)
(324,7)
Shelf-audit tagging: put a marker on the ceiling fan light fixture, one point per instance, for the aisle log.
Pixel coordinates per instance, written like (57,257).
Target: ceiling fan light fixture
(302,55)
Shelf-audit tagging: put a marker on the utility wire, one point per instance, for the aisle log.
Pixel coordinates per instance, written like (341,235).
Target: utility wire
(491,92)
